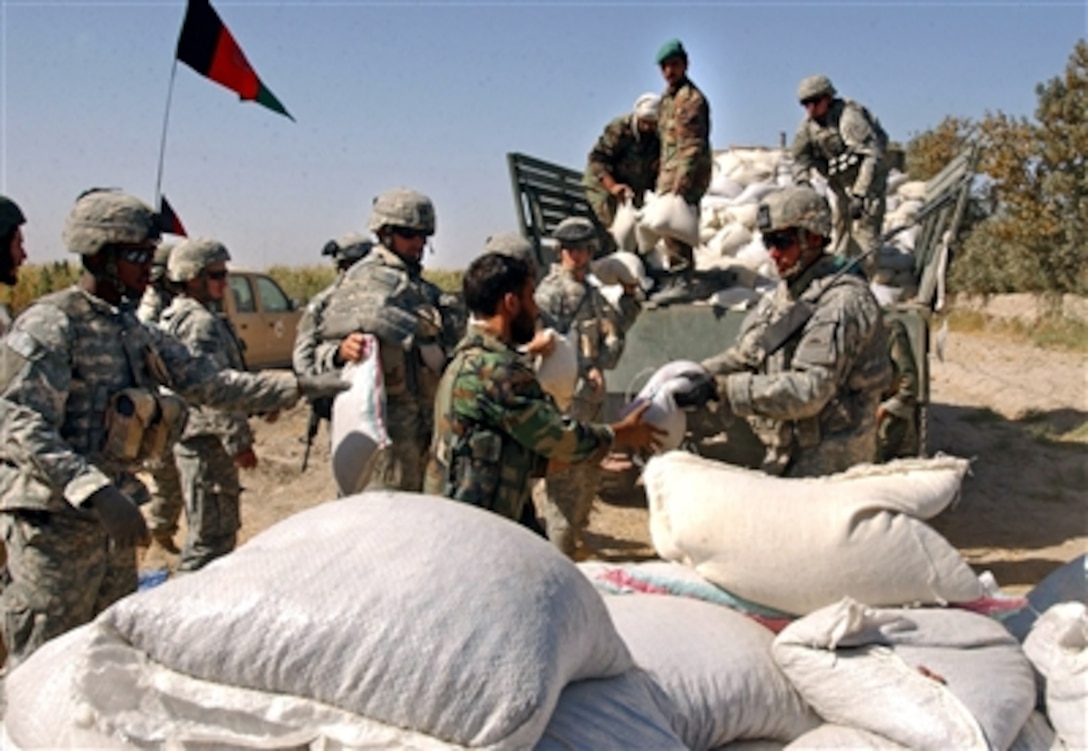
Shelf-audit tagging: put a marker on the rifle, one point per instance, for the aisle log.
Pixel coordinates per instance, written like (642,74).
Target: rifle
(320,409)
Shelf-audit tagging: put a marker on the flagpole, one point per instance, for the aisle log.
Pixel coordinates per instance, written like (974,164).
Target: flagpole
(165,124)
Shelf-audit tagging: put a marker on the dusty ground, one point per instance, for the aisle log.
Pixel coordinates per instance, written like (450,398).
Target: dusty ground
(1019,412)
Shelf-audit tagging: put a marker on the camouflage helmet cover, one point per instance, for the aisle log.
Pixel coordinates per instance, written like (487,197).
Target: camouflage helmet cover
(348,248)
(402,207)
(575,233)
(160,260)
(11,216)
(102,217)
(793,207)
(192,256)
(815,86)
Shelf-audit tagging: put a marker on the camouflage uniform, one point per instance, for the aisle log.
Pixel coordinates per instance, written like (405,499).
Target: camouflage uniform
(848,149)
(566,304)
(684,127)
(212,438)
(629,156)
(898,433)
(66,357)
(813,401)
(495,429)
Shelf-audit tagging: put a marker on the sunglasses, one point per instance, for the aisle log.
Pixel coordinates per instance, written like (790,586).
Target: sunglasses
(810,101)
(138,256)
(217,276)
(408,233)
(783,239)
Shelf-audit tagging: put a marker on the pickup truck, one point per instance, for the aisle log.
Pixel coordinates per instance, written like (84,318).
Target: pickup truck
(546,193)
(264,317)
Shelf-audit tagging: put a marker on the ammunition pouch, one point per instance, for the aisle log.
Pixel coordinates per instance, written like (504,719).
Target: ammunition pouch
(475,468)
(141,425)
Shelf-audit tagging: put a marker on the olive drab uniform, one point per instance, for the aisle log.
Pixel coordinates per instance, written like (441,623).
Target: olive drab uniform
(566,304)
(384,296)
(684,127)
(495,429)
(629,156)
(212,438)
(813,401)
(848,149)
(81,409)
(898,432)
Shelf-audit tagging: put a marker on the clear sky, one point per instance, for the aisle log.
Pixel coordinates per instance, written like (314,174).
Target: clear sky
(432,95)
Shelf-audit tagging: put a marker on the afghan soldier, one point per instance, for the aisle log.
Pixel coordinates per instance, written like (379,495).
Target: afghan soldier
(386,295)
(684,126)
(82,409)
(811,361)
(896,417)
(12,252)
(216,443)
(624,162)
(568,302)
(842,141)
(495,429)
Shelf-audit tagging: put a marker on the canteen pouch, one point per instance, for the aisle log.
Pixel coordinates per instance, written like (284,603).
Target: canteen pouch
(130,412)
(165,427)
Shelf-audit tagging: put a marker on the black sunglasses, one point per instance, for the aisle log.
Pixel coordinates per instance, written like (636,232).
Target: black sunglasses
(138,256)
(783,239)
(216,275)
(810,100)
(408,233)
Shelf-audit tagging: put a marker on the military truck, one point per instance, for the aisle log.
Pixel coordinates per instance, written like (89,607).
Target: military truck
(545,193)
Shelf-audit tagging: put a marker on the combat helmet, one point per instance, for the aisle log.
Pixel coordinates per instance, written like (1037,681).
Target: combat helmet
(11,216)
(513,245)
(103,217)
(793,207)
(402,207)
(192,256)
(348,248)
(160,260)
(575,232)
(813,87)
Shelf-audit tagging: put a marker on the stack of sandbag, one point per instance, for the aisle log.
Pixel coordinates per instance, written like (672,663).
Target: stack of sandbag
(1058,648)
(894,277)
(797,545)
(385,620)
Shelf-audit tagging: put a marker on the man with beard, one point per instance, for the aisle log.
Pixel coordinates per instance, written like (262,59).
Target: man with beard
(495,429)
(12,252)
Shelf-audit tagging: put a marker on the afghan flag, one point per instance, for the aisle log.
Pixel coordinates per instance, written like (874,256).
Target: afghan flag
(168,219)
(206,46)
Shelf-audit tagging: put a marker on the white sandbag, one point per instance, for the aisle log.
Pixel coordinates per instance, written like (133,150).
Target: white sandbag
(620,267)
(904,213)
(715,666)
(895,180)
(660,392)
(357,427)
(395,607)
(754,193)
(1068,583)
(646,239)
(623,226)
(723,185)
(854,533)
(928,678)
(831,736)
(729,239)
(558,370)
(745,215)
(912,190)
(615,714)
(754,255)
(671,216)
(1058,648)
(885,294)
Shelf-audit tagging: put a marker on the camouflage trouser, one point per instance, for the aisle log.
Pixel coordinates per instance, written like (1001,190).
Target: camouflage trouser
(565,498)
(835,453)
(402,464)
(856,236)
(64,571)
(164,510)
(604,205)
(212,493)
(896,437)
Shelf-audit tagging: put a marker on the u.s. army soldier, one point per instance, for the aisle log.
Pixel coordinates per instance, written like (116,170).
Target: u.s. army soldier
(81,410)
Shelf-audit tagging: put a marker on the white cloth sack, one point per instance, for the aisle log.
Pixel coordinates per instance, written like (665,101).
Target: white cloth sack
(800,544)
(421,615)
(929,678)
(671,216)
(660,391)
(715,666)
(1058,648)
(357,426)
(615,714)
(729,239)
(619,268)
(623,226)
(832,736)
(558,370)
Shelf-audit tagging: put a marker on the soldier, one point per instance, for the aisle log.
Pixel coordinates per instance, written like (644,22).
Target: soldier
(12,252)
(159,294)
(569,302)
(684,125)
(842,141)
(811,360)
(495,428)
(896,417)
(624,162)
(216,443)
(386,295)
(82,410)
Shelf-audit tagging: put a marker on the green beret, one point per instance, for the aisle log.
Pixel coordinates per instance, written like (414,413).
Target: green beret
(671,48)
(11,216)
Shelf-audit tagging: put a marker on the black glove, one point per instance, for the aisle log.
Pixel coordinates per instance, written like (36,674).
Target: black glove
(322,385)
(857,206)
(703,389)
(120,516)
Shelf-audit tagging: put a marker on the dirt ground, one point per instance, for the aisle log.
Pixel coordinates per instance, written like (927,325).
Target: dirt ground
(1019,412)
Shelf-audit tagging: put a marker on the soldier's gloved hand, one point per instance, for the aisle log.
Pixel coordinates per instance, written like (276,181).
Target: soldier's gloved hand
(322,385)
(857,206)
(120,516)
(703,389)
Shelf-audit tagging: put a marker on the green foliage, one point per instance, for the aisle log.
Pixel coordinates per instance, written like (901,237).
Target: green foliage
(36,280)
(447,281)
(302,282)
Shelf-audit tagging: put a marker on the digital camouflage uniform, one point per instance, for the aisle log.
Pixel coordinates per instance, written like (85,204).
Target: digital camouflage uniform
(566,497)
(630,157)
(495,429)
(848,149)
(813,401)
(898,432)
(66,358)
(212,438)
(684,127)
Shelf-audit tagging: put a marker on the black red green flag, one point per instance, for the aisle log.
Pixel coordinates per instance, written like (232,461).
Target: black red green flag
(207,46)
(168,219)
